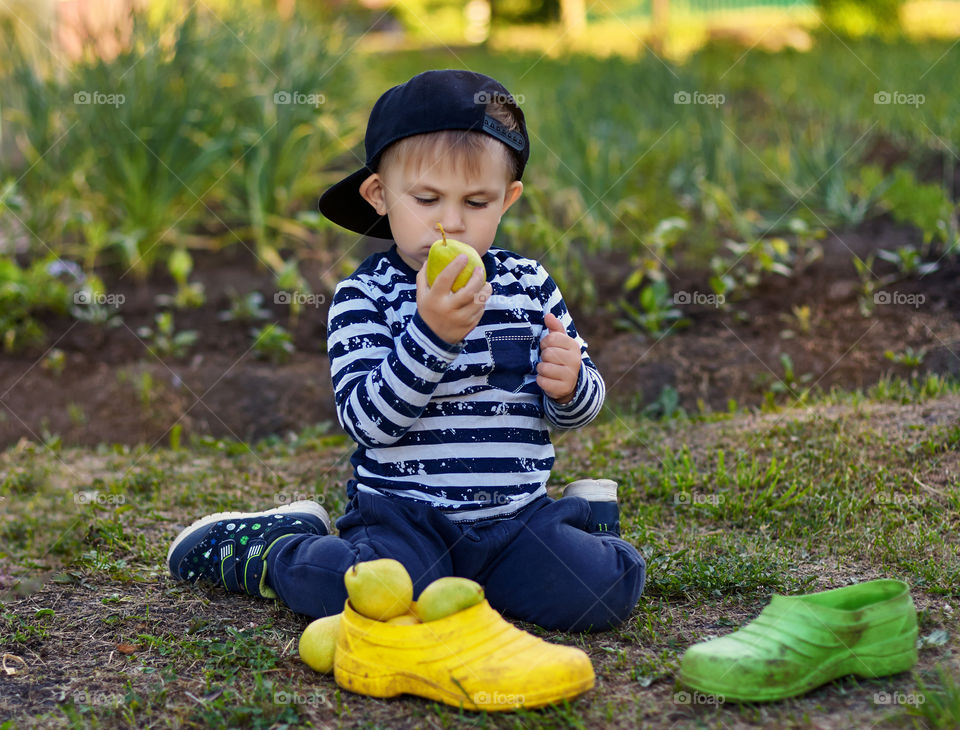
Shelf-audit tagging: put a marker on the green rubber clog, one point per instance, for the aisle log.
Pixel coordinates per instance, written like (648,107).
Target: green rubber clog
(799,642)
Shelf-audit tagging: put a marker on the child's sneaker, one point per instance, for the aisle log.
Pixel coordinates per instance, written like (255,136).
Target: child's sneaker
(229,548)
(602,496)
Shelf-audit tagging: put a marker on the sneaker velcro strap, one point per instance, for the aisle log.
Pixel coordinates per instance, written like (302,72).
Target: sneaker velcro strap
(253,566)
(228,564)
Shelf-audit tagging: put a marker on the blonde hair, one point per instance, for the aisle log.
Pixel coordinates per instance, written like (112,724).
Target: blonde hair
(464,148)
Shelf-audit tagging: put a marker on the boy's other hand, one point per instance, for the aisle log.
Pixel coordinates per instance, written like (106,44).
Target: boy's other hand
(452,314)
(559,365)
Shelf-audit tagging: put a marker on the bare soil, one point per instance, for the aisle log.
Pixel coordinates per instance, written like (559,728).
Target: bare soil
(223,390)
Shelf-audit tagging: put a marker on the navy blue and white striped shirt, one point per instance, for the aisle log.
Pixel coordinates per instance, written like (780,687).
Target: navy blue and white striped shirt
(463,427)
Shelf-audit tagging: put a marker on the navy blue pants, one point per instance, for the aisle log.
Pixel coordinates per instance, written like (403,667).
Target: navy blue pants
(539,566)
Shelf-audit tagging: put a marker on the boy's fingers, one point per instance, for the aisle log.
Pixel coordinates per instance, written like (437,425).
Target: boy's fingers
(557,357)
(548,383)
(550,354)
(545,368)
(474,284)
(559,339)
(450,272)
(485,292)
(551,340)
(553,323)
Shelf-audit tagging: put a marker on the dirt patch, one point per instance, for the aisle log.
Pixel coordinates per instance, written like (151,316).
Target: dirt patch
(736,353)
(113,390)
(890,420)
(110,640)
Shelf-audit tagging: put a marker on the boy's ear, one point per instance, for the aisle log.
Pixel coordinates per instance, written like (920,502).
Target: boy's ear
(371,190)
(514,190)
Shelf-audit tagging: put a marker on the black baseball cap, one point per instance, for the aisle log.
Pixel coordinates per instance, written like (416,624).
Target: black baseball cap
(429,102)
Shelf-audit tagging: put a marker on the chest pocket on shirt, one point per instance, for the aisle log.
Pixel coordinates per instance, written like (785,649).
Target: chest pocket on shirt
(512,352)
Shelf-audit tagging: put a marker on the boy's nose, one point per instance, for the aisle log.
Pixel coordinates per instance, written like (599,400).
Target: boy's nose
(453,222)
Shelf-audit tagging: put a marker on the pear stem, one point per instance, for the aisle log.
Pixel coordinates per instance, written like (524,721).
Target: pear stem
(440,226)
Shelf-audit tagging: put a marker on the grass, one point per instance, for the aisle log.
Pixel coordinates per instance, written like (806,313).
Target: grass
(727,509)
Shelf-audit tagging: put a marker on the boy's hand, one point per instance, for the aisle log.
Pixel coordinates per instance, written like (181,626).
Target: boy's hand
(452,314)
(559,364)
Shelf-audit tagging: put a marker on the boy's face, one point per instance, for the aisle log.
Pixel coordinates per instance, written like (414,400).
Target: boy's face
(469,208)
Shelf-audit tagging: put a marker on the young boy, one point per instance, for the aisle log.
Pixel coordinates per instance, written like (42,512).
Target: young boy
(448,394)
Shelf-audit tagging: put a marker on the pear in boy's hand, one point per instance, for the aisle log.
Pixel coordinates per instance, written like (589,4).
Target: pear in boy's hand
(318,642)
(443,251)
(446,596)
(379,589)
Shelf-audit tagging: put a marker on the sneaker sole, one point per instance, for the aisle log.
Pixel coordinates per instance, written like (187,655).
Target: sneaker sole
(305,509)
(592,490)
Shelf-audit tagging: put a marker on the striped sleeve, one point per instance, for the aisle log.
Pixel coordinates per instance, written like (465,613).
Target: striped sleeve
(590,390)
(380,385)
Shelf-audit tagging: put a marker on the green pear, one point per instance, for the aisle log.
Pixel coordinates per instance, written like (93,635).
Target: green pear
(407,619)
(379,589)
(318,642)
(443,251)
(446,596)
(404,619)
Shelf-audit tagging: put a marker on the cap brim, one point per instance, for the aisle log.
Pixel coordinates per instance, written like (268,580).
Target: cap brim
(343,204)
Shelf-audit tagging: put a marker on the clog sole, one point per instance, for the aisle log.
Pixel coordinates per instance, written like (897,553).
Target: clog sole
(861,664)
(399,683)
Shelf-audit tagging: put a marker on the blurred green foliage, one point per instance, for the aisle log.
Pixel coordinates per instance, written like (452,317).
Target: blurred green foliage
(524,11)
(861,17)
(214,133)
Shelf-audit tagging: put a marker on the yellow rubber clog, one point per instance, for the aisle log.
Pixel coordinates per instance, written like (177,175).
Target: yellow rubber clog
(473,659)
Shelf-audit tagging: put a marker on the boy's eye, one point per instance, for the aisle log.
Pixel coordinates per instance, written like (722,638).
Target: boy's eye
(471,203)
